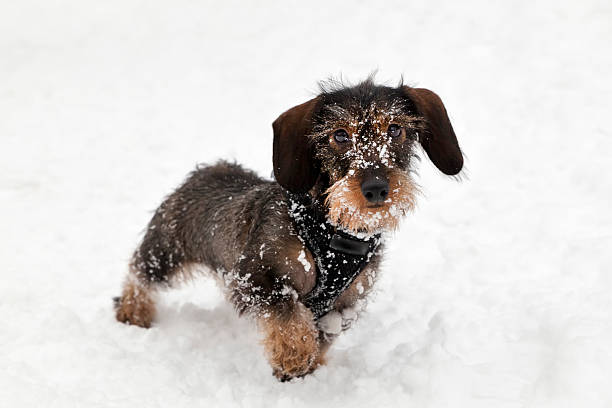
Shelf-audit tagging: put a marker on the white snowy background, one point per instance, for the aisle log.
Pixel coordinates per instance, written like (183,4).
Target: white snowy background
(496,292)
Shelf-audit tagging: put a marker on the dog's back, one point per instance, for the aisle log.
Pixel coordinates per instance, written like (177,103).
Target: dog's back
(207,220)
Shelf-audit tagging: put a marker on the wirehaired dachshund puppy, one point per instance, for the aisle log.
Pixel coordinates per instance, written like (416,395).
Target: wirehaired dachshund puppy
(299,254)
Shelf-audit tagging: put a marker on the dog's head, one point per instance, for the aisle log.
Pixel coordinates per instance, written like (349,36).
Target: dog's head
(354,147)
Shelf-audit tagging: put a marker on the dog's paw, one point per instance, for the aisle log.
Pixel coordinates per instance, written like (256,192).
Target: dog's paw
(289,370)
(334,322)
(136,306)
(292,345)
(349,316)
(331,323)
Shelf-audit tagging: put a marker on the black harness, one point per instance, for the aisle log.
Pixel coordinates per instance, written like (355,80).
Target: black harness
(339,256)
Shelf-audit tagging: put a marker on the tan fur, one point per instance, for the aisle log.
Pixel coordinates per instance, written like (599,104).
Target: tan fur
(349,209)
(321,360)
(359,289)
(136,305)
(291,343)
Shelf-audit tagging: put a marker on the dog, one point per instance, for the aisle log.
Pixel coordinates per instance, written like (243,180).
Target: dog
(299,254)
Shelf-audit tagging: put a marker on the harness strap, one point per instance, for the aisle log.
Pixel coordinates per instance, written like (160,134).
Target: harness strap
(339,256)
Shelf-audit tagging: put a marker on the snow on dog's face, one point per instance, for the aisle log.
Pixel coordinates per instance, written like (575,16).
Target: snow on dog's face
(353,148)
(364,144)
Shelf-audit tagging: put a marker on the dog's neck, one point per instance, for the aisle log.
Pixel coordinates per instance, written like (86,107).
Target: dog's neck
(339,255)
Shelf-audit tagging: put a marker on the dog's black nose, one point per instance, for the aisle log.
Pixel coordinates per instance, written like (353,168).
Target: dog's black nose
(375,189)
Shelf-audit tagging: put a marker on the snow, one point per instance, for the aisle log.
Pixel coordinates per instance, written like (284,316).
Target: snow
(302,259)
(495,291)
(331,323)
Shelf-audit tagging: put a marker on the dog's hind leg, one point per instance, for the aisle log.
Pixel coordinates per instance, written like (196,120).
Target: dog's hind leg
(153,266)
(136,305)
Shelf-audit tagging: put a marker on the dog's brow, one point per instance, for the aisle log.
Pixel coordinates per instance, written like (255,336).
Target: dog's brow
(394,109)
(337,112)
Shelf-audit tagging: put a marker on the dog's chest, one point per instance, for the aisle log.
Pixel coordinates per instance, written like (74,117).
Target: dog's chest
(339,257)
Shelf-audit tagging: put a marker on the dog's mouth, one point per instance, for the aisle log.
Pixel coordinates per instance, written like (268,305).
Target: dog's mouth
(375,206)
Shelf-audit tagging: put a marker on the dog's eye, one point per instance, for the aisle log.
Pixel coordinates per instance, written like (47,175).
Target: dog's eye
(394,130)
(341,136)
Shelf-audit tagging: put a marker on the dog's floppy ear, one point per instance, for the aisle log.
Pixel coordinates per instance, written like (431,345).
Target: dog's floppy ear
(292,156)
(439,140)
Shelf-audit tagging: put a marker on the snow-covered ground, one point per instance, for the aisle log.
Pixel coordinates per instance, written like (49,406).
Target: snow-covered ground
(496,292)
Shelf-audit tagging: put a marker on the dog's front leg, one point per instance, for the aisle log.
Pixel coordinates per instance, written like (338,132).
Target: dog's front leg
(291,340)
(263,285)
